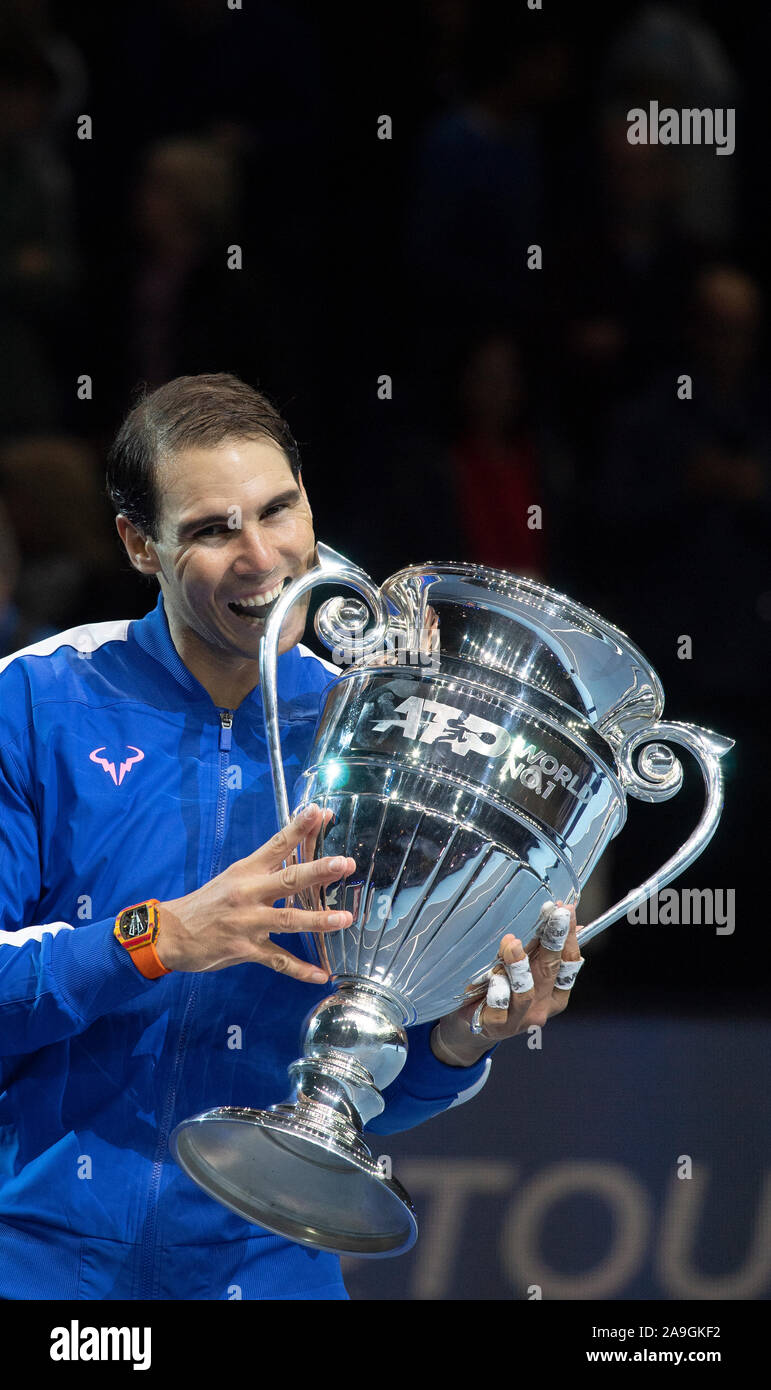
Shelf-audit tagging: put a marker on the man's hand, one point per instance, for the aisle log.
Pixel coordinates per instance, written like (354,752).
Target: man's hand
(230,919)
(452,1040)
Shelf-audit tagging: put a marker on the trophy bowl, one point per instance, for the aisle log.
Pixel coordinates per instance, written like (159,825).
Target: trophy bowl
(476,752)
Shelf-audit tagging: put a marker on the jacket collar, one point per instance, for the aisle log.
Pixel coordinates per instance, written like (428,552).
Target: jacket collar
(152,633)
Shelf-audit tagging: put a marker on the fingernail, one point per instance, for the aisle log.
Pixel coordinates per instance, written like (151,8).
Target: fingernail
(308,813)
(338,919)
(337,864)
(318,977)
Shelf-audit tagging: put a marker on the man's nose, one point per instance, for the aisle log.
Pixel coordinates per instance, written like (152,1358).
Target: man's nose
(256,553)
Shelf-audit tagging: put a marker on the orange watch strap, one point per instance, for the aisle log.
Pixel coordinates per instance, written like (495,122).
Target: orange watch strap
(148,962)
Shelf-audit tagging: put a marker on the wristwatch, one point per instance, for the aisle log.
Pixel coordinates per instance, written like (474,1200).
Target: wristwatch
(137,928)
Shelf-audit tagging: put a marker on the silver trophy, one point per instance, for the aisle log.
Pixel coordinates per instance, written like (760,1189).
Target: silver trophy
(476,750)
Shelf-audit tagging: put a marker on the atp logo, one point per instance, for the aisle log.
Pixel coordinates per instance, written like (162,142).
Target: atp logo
(430,721)
(124,767)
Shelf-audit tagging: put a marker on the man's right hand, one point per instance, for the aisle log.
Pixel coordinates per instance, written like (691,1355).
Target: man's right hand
(230,919)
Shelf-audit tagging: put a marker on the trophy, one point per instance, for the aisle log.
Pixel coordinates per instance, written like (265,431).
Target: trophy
(476,751)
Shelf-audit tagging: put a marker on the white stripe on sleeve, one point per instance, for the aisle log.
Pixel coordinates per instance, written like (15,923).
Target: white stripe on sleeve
(18,938)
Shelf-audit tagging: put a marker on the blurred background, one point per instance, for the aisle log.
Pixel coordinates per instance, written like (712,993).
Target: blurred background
(509,386)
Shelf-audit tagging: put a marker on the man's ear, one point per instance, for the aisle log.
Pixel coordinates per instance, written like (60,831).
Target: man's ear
(139,548)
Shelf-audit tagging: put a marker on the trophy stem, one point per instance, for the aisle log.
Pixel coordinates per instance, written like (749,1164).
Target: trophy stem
(301,1168)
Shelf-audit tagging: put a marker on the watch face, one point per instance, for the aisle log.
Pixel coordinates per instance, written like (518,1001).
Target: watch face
(135,923)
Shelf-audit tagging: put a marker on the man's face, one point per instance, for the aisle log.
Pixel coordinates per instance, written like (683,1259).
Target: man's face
(234,526)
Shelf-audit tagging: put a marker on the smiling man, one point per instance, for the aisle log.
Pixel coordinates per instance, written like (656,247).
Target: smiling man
(146,973)
(220,517)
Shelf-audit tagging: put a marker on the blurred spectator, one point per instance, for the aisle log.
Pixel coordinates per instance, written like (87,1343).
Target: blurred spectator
(678,535)
(499,463)
(184,210)
(66,558)
(248,84)
(616,297)
(688,486)
(463,492)
(16,628)
(478,185)
(179,307)
(669,54)
(33,19)
(37,260)
(446,25)
(752,150)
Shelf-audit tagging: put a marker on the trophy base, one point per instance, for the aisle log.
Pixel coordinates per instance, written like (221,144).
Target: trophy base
(316,1188)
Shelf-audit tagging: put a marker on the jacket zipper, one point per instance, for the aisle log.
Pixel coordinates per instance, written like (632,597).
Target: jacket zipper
(151,1221)
(226,734)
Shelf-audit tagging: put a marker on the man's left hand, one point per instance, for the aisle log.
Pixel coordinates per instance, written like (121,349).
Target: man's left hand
(452,1040)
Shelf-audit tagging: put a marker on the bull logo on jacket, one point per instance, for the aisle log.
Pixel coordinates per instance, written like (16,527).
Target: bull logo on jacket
(110,767)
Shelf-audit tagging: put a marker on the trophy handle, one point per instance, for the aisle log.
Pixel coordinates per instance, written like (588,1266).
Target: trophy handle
(331,567)
(658,777)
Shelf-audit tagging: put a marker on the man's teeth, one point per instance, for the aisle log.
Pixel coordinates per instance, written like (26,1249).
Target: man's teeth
(260,601)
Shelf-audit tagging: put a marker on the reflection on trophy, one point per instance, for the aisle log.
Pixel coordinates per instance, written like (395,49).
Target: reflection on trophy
(476,751)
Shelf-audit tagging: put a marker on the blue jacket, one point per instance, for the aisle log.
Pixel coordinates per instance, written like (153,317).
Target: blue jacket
(119,782)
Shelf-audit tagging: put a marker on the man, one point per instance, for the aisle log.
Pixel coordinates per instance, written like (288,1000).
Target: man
(134,771)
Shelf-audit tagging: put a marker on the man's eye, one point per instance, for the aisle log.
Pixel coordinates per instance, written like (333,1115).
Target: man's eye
(220,528)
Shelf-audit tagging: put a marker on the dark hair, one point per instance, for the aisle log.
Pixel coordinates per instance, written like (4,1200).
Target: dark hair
(201,410)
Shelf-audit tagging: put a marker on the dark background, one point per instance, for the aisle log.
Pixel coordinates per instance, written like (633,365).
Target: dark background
(407,256)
